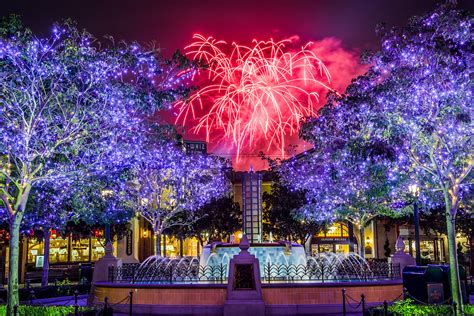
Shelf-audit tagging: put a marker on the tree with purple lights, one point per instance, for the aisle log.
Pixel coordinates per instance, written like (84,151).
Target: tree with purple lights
(422,81)
(413,112)
(91,201)
(101,200)
(346,174)
(69,109)
(170,186)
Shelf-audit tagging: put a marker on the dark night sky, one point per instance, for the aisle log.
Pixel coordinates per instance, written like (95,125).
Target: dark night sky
(171,23)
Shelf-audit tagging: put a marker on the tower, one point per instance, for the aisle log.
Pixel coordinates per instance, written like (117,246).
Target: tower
(252,205)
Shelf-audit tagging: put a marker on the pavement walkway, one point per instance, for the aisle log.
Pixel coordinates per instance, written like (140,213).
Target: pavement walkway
(62,300)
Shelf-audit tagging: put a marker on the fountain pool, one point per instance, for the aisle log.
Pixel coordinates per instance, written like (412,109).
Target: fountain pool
(281,261)
(288,261)
(279,253)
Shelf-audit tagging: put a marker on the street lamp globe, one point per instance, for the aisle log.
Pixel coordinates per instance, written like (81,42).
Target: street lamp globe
(106,193)
(414,189)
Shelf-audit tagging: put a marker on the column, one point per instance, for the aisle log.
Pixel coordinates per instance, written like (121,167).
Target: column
(350,228)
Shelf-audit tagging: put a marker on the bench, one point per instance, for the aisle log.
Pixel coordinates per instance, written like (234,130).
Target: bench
(36,276)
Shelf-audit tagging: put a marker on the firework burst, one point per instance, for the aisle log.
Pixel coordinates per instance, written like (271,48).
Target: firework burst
(255,94)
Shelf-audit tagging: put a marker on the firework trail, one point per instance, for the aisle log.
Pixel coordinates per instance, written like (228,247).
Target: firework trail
(255,93)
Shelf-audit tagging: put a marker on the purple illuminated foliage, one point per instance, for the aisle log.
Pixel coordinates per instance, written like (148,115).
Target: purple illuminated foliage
(71,108)
(409,117)
(346,176)
(170,185)
(423,83)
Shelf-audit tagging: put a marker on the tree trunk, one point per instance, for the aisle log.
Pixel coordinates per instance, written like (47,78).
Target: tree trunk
(471,262)
(453,260)
(45,274)
(13,299)
(158,244)
(362,241)
(307,244)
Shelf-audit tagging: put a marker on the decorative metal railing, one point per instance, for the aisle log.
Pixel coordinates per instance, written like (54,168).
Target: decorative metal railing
(168,274)
(313,271)
(124,273)
(329,272)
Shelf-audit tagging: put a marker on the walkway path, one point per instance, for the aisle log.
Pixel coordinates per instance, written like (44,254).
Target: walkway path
(62,300)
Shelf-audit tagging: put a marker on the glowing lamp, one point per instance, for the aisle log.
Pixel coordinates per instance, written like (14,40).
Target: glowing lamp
(414,189)
(106,193)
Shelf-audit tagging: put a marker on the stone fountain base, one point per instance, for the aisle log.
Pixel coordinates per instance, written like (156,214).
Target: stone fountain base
(244,287)
(159,290)
(279,299)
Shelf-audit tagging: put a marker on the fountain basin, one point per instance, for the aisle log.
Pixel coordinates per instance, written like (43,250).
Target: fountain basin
(208,299)
(293,284)
(279,253)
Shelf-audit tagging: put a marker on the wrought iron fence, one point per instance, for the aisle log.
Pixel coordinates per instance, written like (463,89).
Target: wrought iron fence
(167,274)
(124,273)
(313,271)
(328,272)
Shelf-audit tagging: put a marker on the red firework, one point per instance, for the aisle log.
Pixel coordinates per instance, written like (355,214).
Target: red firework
(255,93)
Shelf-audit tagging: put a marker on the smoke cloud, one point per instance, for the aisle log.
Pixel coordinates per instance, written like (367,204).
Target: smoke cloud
(343,65)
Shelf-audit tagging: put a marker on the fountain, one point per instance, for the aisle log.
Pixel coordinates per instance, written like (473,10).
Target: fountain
(278,262)
(285,260)
(279,253)
(289,282)
(213,264)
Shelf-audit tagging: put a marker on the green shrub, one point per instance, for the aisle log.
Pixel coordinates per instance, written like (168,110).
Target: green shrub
(25,310)
(65,288)
(469,309)
(407,307)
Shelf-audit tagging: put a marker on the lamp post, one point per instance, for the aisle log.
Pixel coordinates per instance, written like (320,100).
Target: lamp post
(471,244)
(415,191)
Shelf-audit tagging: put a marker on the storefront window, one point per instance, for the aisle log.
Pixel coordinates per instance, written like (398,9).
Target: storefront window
(335,239)
(335,230)
(342,248)
(321,248)
(429,249)
(190,247)
(172,246)
(82,250)
(58,250)
(35,249)
(98,250)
